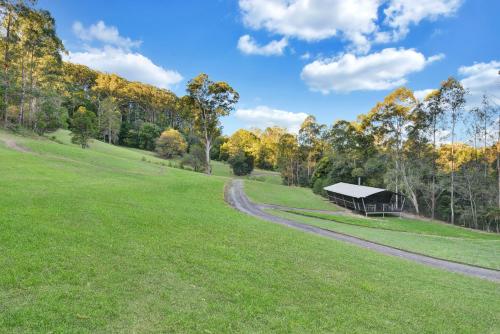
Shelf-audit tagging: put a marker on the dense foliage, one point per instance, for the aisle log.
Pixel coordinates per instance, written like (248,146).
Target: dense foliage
(171,144)
(241,163)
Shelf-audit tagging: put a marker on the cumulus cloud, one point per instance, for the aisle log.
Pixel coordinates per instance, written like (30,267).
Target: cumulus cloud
(248,45)
(356,21)
(400,14)
(482,78)
(263,116)
(113,55)
(377,71)
(479,79)
(103,33)
(132,66)
(421,94)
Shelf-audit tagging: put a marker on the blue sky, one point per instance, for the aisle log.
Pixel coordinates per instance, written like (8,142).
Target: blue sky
(333,59)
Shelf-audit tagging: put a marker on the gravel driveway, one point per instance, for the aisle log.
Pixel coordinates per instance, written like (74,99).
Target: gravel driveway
(235,196)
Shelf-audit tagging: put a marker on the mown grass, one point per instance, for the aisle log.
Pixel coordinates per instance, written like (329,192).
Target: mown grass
(446,242)
(99,240)
(403,224)
(293,197)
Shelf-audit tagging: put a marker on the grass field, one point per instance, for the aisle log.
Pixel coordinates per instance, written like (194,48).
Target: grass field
(101,240)
(434,239)
(294,197)
(404,224)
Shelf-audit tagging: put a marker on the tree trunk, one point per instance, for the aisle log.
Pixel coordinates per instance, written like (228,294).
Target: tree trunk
(413,196)
(31,87)
(452,185)
(6,66)
(498,158)
(433,186)
(23,92)
(208,146)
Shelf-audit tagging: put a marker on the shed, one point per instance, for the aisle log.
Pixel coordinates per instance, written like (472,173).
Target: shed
(368,200)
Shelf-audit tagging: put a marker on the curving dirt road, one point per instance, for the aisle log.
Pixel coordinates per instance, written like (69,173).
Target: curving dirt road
(236,197)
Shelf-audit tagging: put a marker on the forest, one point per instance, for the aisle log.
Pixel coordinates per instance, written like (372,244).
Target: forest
(442,154)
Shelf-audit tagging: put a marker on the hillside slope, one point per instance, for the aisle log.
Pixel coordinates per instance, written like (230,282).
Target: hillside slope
(104,240)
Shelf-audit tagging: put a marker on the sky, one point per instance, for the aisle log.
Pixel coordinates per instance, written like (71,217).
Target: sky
(334,59)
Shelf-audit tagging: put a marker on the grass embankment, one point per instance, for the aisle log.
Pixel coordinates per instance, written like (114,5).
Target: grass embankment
(99,240)
(434,239)
(293,197)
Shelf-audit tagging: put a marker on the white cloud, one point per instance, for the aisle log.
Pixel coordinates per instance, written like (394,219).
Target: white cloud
(263,116)
(103,33)
(132,66)
(114,56)
(306,56)
(481,78)
(377,71)
(312,20)
(421,94)
(400,14)
(356,21)
(248,45)
(478,79)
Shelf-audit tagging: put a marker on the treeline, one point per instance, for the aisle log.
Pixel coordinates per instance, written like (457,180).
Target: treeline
(443,157)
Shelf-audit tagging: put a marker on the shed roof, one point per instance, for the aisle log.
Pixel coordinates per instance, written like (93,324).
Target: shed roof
(353,190)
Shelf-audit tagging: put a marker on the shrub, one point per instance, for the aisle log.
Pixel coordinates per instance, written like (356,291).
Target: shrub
(195,159)
(170,144)
(242,163)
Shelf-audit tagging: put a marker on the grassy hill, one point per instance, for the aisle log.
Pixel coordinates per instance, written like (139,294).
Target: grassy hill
(111,239)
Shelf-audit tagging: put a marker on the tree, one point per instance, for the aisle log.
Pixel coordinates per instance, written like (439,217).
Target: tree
(52,115)
(267,152)
(310,135)
(216,152)
(390,122)
(241,141)
(170,144)
(453,99)
(241,162)
(210,101)
(83,126)
(288,149)
(110,119)
(434,111)
(148,133)
(9,13)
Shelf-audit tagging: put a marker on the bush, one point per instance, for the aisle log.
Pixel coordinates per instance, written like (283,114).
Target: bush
(242,163)
(171,144)
(195,159)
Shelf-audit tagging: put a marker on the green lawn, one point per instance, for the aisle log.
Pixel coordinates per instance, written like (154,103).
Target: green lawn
(223,169)
(404,225)
(99,240)
(447,242)
(294,197)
